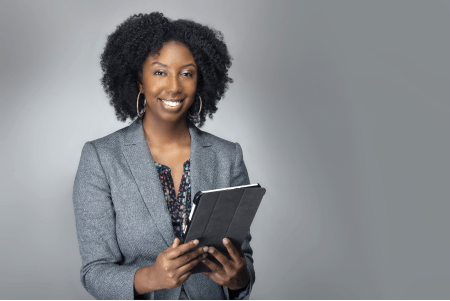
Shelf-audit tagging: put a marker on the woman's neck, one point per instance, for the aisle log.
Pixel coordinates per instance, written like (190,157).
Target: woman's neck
(162,134)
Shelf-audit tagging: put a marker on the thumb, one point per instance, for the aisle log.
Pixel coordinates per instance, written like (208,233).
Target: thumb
(176,242)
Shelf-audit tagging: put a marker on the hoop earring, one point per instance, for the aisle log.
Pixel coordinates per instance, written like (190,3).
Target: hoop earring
(137,104)
(200,107)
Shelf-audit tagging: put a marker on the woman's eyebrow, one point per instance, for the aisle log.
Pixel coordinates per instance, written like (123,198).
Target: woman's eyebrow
(158,63)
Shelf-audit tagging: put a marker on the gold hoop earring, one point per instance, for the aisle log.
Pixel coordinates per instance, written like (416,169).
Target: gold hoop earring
(137,104)
(200,108)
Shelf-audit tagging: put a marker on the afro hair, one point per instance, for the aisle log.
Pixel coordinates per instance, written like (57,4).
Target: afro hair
(142,35)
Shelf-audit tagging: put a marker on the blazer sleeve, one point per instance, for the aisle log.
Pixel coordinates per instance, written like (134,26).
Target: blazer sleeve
(101,274)
(240,177)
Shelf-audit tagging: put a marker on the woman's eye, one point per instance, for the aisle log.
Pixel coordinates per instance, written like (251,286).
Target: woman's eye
(187,74)
(159,73)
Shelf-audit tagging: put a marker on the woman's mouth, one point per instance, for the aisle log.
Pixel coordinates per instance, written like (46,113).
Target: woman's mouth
(171,103)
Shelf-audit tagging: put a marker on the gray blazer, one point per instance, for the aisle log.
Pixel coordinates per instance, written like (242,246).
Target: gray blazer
(122,219)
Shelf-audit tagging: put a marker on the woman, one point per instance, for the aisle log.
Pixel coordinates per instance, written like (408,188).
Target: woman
(132,191)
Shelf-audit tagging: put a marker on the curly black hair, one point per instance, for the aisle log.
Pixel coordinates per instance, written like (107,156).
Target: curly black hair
(144,34)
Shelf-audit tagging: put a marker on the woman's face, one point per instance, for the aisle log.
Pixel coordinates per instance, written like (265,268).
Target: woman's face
(169,82)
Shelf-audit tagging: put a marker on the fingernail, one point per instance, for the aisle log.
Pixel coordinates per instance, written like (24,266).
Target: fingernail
(196,242)
(225,240)
(204,255)
(211,250)
(205,249)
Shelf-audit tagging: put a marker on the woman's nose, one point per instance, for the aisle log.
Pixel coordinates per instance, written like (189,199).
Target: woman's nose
(173,86)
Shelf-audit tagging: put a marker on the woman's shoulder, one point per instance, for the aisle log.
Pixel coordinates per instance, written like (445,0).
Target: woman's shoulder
(110,142)
(218,143)
(223,148)
(216,140)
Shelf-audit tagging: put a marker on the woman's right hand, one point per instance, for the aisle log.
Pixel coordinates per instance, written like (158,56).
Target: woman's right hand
(172,268)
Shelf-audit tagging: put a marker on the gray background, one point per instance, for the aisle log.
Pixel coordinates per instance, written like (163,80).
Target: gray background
(341,108)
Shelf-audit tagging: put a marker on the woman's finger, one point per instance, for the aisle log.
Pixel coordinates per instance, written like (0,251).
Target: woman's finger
(214,267)
(184,277)
(181,249)
(189,266)
(220,257)
(231,250)
(186,258)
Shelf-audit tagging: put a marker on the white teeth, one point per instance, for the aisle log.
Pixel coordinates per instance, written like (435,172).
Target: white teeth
(171,103)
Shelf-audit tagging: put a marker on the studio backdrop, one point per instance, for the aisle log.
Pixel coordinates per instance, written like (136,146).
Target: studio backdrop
(341,109)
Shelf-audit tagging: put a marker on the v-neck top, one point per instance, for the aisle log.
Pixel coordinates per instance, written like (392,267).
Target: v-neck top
(179,206)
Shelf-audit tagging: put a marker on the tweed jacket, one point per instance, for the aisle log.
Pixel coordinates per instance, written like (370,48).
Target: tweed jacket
(122,219)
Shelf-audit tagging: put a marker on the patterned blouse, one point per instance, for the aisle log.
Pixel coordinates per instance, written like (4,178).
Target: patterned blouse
(179,206)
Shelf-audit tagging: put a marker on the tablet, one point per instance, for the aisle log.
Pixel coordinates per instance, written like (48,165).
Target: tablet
(220,213)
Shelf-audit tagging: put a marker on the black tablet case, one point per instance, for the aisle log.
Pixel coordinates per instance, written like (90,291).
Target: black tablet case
(220,214)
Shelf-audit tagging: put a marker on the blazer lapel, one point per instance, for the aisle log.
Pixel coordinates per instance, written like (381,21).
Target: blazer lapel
(203,162)
(142,166)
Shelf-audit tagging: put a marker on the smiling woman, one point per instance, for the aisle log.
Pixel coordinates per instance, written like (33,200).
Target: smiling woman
(133,188)
(137,43)
(169,83)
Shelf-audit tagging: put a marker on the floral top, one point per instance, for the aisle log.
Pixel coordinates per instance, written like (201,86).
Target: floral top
(179,206)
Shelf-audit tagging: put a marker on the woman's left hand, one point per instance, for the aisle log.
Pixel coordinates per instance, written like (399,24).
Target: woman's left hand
(234,273)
